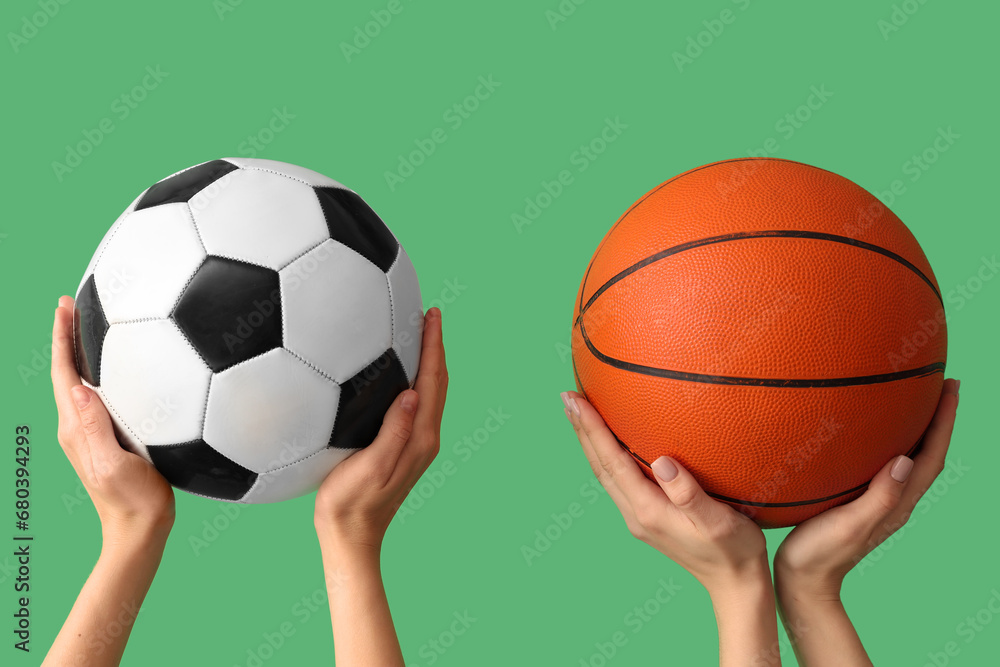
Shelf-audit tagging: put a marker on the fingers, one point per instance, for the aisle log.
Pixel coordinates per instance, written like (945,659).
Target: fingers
(101,444)
(616,463)
(397,426)
(94,418)
(64,378)
(432,385)
(432,378)
(934,446)
(884,493)
(571,401)
(684,491)
(411,430)
(572,414)
(64,374)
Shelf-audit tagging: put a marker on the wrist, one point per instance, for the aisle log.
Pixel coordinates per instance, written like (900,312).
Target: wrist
(348,551)
(750,579)
(345,539)
(349,568)
(126,536)
(793,585)
(744,607)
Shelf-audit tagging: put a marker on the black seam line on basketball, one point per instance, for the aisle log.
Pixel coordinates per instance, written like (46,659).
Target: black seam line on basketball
(789,383)
(668,182)
(742,236)
(652,192)
(750,503)
(799,503)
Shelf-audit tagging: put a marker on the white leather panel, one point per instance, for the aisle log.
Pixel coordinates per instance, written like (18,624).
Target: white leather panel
(290,170)
(148,263)
(407,313)
(107,237)
(296,479)
(260,217)
(125,437)
(269,411)
(336,309)
(154,381)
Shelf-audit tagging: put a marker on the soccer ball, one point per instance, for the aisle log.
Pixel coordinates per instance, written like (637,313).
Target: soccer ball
(247,323)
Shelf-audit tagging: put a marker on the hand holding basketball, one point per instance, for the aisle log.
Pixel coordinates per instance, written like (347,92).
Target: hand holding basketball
(727,321)
(720,547)
(818,553)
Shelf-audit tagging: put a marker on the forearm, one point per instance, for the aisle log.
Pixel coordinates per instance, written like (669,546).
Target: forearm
(98,626)
(820,630)
(748,627)
(363,633)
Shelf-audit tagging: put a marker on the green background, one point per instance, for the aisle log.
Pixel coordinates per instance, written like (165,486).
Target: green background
(506,294)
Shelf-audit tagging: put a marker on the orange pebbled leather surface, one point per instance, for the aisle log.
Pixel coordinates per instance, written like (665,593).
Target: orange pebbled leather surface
(747,195)
(763,444)
(805,310)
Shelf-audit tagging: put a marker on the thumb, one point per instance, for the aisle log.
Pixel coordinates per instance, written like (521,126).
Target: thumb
(884,491)
(94,418)
(397,425)
(683,490)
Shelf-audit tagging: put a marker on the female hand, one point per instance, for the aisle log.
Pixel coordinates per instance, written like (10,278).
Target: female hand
(135,505)
(812,562)
(722,548)
(360,496)
(130,496)
(709,539)
(817,555)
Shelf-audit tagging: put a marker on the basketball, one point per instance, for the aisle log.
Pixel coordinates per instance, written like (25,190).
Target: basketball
(769,324)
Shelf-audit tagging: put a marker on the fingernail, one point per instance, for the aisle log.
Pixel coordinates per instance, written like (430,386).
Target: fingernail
(664,468)
(958,385)
(409,402)
(81,396)
(434,312)
(901,469)
(570,403)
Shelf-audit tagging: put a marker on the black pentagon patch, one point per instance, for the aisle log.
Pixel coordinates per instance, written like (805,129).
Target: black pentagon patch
(352,222)
(90,326)
(196,467)
(181,187)
(364,400)
(230,311)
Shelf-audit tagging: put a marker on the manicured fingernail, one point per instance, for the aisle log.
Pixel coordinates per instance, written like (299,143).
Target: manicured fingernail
(664,468)
(570,403)
(409,402)
(901,469)
(81,396)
